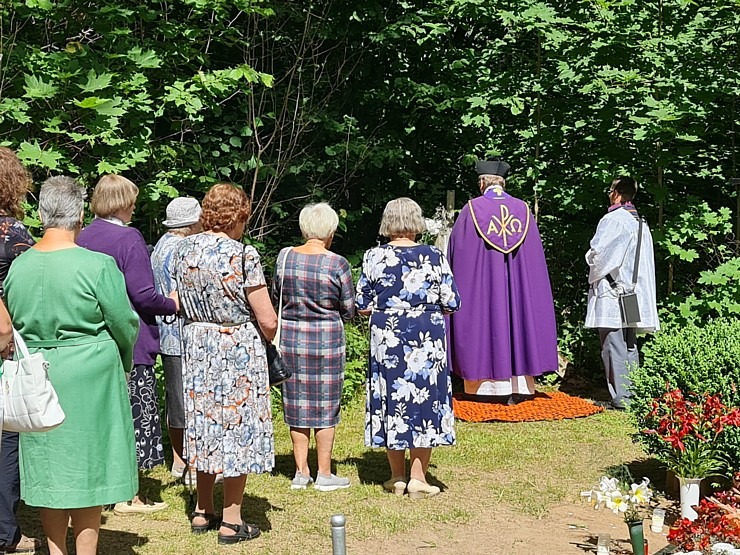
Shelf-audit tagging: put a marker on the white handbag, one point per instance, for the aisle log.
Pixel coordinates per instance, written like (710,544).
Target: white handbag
(31,404)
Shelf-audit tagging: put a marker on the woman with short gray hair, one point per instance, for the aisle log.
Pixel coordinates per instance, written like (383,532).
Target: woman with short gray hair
(406,289)
(61,203)
(71,305)
(316,290)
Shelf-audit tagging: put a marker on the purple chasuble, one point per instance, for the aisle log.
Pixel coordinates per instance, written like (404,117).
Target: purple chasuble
(506,324)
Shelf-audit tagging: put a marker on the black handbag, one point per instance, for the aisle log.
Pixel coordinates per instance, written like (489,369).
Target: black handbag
(629,306)
(276,366)
(275,363)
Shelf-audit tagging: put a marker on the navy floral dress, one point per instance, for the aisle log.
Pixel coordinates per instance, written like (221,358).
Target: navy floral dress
(409,392)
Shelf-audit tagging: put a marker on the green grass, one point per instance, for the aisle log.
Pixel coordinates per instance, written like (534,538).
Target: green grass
(527,467)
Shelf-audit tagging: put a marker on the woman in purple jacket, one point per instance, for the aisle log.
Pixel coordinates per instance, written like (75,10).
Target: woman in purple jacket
(113,203)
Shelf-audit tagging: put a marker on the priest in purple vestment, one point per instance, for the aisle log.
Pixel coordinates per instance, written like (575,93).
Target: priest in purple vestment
(504,335)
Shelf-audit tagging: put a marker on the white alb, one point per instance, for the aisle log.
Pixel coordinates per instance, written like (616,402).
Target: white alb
(612,253)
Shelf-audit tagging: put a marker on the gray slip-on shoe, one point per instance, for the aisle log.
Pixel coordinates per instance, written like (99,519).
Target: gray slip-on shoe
(300,481)
(330,483)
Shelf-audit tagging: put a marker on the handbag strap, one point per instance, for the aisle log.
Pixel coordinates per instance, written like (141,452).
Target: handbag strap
(637,253)
(20,344)
(611,280)
(276,339)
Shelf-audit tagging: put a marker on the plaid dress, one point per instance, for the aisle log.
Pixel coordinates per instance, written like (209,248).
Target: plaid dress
(317,295)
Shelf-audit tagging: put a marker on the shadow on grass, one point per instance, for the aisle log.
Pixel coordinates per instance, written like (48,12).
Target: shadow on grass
(635,471)
(617,546)
(110,542)
(372,471)
(589,385)
(113,542)
(150,487)
(372,468)
(254,508)
(285,463)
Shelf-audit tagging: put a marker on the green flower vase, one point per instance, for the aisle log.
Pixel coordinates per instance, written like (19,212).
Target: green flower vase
(637,537)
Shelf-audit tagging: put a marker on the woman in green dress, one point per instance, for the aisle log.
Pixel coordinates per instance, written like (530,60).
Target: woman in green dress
(71,304)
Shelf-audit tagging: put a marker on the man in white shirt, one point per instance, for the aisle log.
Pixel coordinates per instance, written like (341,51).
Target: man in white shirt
(611,260)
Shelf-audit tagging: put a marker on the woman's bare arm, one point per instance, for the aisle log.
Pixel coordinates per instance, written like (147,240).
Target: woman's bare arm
(6,328)
(259,301)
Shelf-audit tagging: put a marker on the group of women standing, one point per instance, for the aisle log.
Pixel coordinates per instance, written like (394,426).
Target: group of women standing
(75,305)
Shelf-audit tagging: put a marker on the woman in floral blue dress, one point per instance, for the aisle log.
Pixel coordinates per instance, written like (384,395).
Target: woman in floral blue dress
(407,288)
(227,392)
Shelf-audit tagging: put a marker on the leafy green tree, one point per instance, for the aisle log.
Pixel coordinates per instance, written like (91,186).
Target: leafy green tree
(360,102)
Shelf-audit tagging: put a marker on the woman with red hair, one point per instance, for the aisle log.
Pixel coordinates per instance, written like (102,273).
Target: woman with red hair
(227,392)
(15,183)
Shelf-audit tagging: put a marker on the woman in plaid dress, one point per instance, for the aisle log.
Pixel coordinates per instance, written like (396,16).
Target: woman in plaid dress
(317,295)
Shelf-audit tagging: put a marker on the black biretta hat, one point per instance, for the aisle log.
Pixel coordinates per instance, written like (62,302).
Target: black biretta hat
(492,166)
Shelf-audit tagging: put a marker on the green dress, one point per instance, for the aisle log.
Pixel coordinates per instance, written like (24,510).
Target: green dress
(72,305)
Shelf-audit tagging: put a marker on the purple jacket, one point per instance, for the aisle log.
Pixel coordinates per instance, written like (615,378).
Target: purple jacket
(127,246)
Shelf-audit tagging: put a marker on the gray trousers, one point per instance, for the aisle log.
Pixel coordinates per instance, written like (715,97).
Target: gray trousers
(620,357)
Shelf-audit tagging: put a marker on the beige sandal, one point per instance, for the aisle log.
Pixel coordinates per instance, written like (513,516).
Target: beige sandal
(396,485)
(421,490)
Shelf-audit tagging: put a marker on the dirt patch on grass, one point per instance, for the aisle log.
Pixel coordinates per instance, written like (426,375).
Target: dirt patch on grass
(508,488)
(567,529)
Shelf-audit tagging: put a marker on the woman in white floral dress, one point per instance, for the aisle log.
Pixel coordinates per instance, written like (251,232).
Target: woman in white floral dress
(227,392)
(407,288)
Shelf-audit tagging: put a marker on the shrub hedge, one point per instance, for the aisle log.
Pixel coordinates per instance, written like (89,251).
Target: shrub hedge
(696,359)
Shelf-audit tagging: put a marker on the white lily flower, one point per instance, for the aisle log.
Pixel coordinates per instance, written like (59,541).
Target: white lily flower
(594,497)
(608,485)
(640,494)
(617,502)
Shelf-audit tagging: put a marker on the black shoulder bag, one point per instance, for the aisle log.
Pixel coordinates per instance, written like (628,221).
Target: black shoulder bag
(275,364)
(628,305)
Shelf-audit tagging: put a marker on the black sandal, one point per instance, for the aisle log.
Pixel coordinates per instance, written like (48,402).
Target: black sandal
(244,532)
(212,523)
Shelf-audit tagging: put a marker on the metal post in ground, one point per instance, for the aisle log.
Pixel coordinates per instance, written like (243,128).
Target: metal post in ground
(338,535)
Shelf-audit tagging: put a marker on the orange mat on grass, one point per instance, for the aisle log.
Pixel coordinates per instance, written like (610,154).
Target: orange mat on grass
(545,406)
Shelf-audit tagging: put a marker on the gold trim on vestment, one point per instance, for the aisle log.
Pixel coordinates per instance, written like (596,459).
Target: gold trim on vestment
(505,220)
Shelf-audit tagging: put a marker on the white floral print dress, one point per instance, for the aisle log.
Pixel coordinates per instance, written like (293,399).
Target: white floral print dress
(227,393)
(409,392)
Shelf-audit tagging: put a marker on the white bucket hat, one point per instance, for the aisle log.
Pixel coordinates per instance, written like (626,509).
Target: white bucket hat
(181,212)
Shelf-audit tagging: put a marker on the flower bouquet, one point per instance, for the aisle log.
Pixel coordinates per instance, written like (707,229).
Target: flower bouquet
(629,501)
(711,527)
(438,228)
(687,428)
(716,528)
(620,499)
